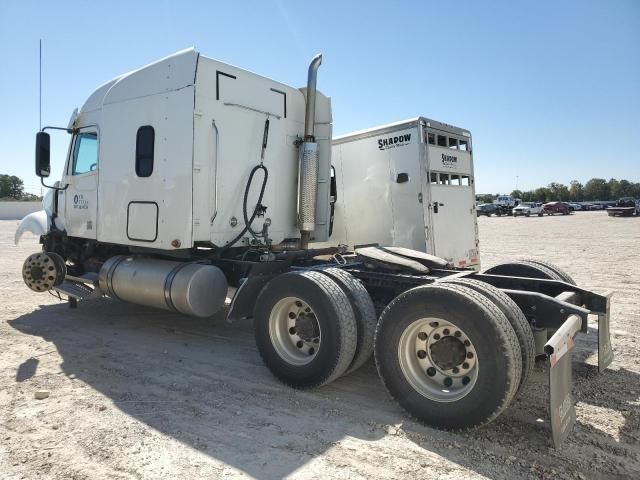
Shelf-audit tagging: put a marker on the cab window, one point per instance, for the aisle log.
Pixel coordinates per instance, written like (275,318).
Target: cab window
(85,153)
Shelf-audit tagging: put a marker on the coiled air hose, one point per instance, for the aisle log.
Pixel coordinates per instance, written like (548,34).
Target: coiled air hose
(248,221)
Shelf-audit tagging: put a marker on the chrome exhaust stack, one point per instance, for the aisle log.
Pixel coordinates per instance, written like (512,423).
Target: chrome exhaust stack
(308,162)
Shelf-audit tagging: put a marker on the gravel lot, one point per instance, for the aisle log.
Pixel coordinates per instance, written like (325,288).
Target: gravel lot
(139,393)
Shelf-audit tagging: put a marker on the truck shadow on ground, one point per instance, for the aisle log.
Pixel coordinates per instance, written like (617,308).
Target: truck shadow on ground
(202,382)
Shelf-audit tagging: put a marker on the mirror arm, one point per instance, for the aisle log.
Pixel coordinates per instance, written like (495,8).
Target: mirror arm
(56,128)
(59,189)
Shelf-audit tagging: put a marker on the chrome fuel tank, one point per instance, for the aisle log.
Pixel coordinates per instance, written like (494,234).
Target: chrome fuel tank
(190,288)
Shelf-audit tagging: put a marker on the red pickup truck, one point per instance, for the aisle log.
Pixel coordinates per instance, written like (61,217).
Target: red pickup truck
(556,207)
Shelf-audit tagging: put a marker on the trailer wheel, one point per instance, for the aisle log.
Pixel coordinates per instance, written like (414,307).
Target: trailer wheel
(524,268)
(515,316)
(305,328)
(365,314)
(564,276)
(448,355)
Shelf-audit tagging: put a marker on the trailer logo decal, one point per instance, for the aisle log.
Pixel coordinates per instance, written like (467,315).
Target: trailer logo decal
(393,142)
(449,161)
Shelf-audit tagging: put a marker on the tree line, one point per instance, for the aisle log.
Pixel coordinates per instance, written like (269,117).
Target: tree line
(12,188)
(596,189)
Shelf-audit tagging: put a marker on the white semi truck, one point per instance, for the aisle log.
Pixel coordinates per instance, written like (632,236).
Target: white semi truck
(188,180)
(407,184)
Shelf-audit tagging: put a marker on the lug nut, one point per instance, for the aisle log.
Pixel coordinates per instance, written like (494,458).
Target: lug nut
(469,354)
(422,354)
(292,330)
(445,331)
(465,365)
(311,351)
(422,336)
(448,382)
(431,371)
(298,304)
(292,315)
(434,324)
(457,333)
(465,380)
(299,344)
(467,343)
(436,336)
(456,369)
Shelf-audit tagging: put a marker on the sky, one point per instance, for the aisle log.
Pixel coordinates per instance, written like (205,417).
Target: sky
(550,90)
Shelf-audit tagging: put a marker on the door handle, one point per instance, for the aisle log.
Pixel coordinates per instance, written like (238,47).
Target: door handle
(435,207)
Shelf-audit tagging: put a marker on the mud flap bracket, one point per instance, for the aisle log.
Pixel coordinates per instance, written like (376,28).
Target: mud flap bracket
(605,352)
(561,403)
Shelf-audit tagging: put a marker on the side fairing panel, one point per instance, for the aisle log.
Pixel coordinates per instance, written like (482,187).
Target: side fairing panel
(231,108)
(170,184)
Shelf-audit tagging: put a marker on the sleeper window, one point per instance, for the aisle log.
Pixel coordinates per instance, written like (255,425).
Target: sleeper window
(442,141)
(145,140)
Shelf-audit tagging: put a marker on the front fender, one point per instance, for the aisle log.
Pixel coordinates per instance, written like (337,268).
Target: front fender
(36,223)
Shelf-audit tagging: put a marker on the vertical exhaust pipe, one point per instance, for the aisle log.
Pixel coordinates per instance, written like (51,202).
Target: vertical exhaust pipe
(308,163)
(310,113)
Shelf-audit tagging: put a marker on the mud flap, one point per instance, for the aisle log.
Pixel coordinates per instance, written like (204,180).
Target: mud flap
(561,403)
(605,352)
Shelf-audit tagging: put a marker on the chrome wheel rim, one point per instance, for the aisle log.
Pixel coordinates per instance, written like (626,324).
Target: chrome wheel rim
(40,272)
(294,331)
(438,359)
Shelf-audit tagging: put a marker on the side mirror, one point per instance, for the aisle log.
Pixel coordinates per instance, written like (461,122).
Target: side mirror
(43,160)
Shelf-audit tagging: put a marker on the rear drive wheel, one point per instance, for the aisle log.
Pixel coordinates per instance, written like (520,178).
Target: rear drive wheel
(365,314)
(515,316)
(524,268)
(448,355)
(564,276)
(305,328)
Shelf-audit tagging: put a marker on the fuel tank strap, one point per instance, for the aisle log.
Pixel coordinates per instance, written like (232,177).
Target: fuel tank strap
(167,285)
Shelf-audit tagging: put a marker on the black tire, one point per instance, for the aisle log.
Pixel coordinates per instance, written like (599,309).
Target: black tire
(528,214)
(515,316)
(334,316)
(365,313)
(564,276)
(499,364)
(540,214)
(524,268)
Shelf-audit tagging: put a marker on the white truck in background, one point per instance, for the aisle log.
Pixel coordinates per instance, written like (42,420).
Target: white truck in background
(188,180)
(507,203)
(407,184)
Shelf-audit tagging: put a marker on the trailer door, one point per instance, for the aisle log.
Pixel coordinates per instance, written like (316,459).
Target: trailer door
(451,202)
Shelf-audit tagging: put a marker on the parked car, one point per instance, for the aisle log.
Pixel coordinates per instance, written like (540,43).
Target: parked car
(552,208)
(528,208)
(576,206)
(488,209)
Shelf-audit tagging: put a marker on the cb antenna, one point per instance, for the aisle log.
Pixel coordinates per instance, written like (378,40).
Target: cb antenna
(40,88)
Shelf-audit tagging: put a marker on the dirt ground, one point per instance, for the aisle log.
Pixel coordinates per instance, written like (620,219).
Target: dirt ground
(139,393)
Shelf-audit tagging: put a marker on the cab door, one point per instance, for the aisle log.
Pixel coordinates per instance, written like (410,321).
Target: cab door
(80,197)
